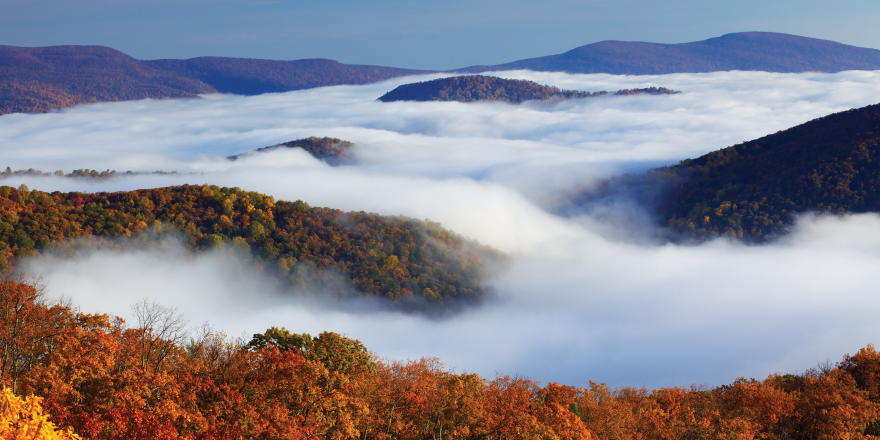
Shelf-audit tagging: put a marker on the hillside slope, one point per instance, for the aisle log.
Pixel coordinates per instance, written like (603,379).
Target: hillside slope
(754,190)
(415,264)
(762,51)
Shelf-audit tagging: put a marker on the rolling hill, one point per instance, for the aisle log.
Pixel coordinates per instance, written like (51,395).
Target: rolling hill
(470,88)
(754,191)
(763,51)
(415,265)
(331,150)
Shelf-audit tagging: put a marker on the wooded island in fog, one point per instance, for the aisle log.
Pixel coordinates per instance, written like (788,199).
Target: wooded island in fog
(470,88)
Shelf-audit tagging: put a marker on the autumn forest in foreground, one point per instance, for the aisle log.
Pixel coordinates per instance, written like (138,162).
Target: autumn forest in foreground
(68,373)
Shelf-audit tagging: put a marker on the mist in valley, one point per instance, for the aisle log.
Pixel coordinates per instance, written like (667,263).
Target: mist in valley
(584,295)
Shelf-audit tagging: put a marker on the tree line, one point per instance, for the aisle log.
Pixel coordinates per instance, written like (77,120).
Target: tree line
(99,377)
(400,259)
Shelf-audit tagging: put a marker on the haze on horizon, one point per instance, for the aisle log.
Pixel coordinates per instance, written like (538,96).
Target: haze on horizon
(418,35)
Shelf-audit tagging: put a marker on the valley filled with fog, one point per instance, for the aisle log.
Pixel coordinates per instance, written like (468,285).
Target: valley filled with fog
(582,297)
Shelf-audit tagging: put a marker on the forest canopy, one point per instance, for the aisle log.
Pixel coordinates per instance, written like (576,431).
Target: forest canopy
(73,374)
(408,262)
(754,190)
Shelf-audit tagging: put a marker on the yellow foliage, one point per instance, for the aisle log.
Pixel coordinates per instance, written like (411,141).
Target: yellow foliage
(23,418)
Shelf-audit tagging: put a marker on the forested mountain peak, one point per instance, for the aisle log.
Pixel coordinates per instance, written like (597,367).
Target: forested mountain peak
(331,150)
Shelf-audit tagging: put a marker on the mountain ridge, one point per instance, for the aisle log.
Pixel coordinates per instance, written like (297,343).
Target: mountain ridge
(764,51)
(755,191)
(39,79)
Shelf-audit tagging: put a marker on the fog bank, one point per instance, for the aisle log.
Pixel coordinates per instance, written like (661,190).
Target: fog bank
(581,299)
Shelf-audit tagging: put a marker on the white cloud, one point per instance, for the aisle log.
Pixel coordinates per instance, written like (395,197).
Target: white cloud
(573,304)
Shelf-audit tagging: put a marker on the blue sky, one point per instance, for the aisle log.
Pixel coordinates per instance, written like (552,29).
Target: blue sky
(414,33)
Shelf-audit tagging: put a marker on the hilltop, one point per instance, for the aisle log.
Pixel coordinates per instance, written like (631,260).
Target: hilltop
(331,150)
(762,51)
(471,88)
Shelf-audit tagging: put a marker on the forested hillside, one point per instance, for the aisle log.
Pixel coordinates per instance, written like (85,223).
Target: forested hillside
(412,263)
(471,88)
(762,51)
(331,150)
(154,379)
(755,190)
(37,79)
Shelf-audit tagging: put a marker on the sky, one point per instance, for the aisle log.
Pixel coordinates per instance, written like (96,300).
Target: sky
(416,34)
(583,297)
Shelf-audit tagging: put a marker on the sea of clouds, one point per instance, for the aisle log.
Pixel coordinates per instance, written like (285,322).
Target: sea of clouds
(581,298)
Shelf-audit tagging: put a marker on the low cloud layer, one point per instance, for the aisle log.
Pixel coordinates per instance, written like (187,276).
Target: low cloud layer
(576,302)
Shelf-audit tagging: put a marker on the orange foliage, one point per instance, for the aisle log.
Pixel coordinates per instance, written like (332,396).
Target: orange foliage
(106,380)
(23,418)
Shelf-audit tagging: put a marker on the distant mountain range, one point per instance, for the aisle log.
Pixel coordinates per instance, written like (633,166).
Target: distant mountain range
(245,76)
(38,79)
(763,51)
